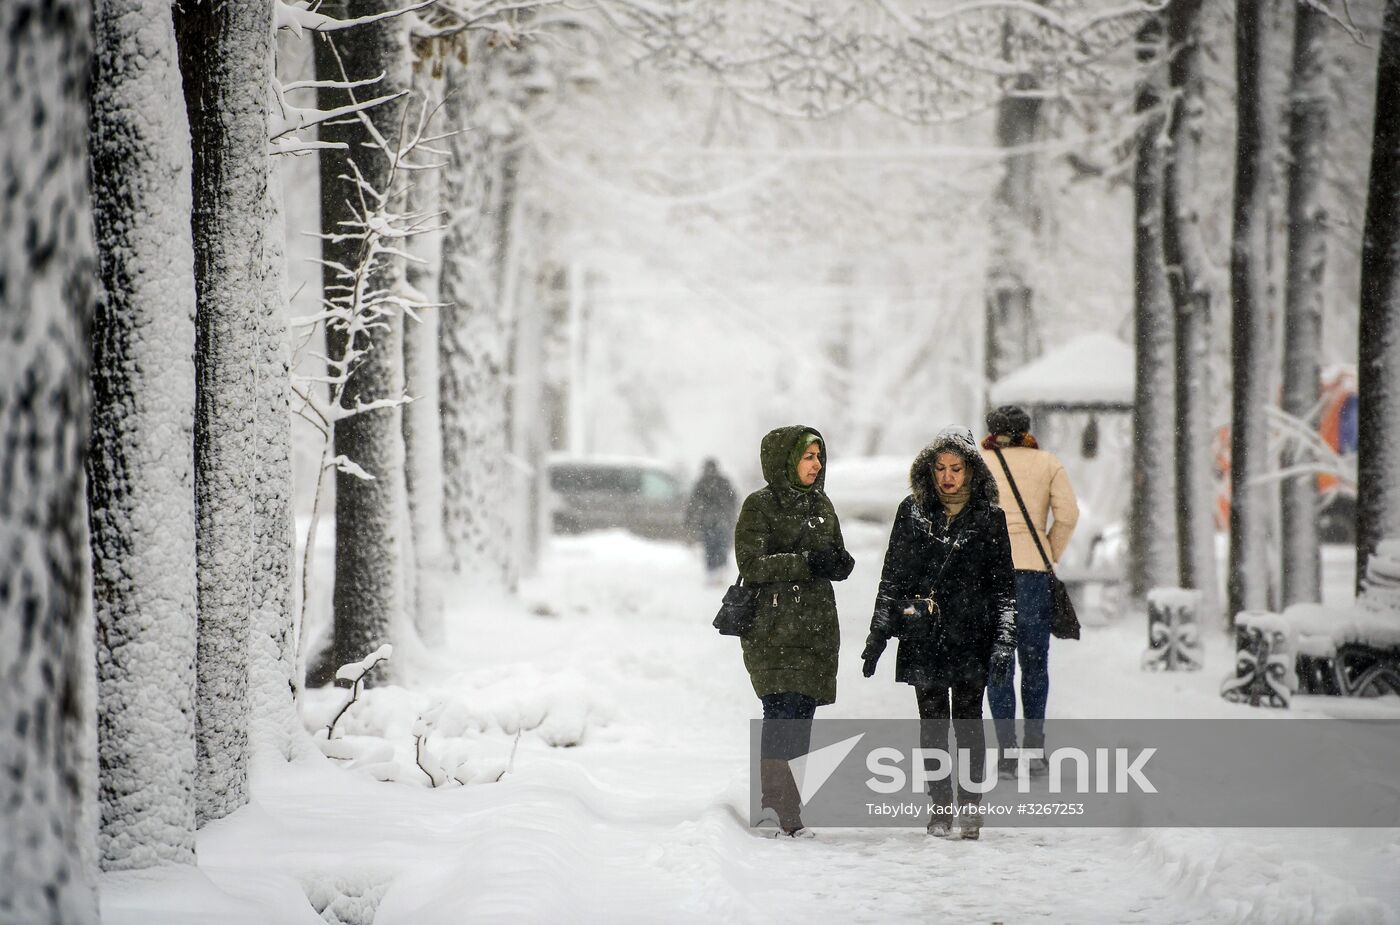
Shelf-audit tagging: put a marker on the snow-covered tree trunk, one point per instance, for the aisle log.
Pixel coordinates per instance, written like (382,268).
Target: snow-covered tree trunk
(529,438)
(474,341)
(1152,537)
(1188,268)
(1307,262)
(1378,361)
(225,56)
(46,264)
(1012,335)
(272,675)
(141,465)
(422,429)
(368,597)
(1251,318)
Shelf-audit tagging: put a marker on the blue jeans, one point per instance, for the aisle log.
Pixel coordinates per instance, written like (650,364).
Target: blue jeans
(1034,610)
(787,725)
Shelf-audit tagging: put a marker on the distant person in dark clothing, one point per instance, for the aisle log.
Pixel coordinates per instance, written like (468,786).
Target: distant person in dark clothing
(710,514)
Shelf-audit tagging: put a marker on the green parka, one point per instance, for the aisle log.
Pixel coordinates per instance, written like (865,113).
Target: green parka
(793,645)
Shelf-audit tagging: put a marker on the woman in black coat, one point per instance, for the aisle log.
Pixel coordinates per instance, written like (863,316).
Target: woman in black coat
(948,592)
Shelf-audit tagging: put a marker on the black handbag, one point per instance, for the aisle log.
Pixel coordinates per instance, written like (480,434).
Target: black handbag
(738,610)
(917,618)
(1064,622)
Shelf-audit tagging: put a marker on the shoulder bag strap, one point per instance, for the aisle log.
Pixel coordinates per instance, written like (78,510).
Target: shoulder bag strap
(1035,534)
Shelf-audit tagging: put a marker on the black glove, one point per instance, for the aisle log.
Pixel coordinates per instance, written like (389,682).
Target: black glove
(1003,660)
(832,562)
(883,623)
(874,646)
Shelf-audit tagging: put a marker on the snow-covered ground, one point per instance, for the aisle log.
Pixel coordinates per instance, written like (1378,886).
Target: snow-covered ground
(601,729)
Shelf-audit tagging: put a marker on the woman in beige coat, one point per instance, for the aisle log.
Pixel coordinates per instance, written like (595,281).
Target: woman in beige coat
(1045,488)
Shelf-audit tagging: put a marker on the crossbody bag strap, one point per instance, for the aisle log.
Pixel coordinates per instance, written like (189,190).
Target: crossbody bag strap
(1035,535)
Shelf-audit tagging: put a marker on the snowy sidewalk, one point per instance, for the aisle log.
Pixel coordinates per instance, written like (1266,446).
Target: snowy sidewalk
(635,812)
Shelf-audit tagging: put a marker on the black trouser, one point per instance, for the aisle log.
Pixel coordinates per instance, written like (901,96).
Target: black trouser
(715,539)
(966,712)
(787,725)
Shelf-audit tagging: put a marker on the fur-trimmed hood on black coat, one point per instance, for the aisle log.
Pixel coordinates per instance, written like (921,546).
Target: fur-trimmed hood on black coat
(963,563)
(951,440)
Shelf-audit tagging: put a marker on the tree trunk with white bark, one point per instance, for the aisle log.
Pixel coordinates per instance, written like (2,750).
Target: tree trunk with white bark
(1307,264)
(368,599)
(1152,539)
(1378,362)
(273,683)
(141,465)
(226,58)
(1188,268)
(474,341)
(46,301)
(1251,322)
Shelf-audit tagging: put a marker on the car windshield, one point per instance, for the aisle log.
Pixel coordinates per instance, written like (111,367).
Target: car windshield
(659,485)
(591,479)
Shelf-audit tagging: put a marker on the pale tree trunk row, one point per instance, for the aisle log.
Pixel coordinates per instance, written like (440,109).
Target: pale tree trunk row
(1012,333)
(273,681)
(141,465)
(46,301)
(474,336)
(426,543)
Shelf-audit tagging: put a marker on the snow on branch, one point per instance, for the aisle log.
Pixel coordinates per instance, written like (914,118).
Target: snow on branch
(915,62)
(297,17)
(355,673)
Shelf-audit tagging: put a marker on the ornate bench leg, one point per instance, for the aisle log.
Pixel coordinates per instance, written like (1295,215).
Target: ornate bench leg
(1265,663)
(1173,635)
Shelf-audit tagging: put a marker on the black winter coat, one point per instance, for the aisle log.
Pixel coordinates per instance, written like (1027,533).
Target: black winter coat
(976,592)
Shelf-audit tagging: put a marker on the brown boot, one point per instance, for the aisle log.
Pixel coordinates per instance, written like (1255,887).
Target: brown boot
(780,793)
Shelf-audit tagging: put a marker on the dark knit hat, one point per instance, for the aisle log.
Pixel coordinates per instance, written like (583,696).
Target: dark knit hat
(1008,419)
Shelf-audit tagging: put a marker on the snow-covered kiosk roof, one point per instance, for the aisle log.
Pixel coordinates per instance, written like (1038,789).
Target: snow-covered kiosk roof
(1093,372)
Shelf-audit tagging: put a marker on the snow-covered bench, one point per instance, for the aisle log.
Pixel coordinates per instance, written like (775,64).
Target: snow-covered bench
(1095,590)
(1346,651)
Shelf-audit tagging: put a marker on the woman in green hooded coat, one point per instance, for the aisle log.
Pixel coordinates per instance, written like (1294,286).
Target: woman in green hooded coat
(789,547)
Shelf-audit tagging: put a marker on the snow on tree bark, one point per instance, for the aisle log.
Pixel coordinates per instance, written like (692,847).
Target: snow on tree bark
(141,466)
(422,428)
(1012,335)
(1378,362)
(46,268)
(368,597)
(529,437)
(225,55)
(1188,272)
(1251,318)
(1307,262)
(1152,539)
(272,674)
(474,336)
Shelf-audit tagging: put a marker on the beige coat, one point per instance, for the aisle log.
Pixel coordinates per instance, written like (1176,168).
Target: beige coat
(1046,490)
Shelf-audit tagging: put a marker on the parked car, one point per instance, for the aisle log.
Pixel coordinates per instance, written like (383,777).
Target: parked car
(868,488)
(641,496)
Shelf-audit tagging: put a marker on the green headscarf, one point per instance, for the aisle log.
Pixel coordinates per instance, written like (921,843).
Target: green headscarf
(795,456)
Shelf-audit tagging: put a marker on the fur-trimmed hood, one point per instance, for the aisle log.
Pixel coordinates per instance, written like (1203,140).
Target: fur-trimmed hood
(957,440)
